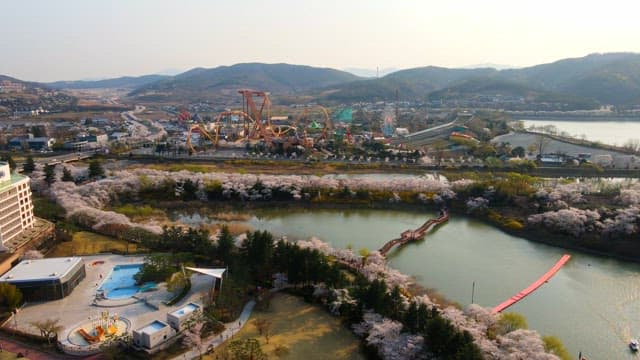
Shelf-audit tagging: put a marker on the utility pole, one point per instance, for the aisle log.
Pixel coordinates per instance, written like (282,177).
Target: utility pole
(473,290)
(397,106)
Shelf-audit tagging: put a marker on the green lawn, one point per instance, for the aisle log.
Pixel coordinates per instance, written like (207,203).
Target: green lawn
(308,331)
(88,243)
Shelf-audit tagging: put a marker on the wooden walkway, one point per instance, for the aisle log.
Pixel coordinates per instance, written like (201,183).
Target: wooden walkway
(412,235)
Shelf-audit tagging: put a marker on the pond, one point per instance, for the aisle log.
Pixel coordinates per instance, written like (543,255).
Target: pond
(592,304)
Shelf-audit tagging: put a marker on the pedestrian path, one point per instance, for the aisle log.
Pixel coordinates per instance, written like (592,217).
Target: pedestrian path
(231,328)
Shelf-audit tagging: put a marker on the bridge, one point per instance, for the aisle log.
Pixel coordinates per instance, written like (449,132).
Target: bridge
(533,287)
(413,235)
(59,159)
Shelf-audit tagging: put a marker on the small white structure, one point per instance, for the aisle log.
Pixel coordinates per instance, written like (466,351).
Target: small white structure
(152,334)
(402,131)
(178,318)
(626,162)
(604,160)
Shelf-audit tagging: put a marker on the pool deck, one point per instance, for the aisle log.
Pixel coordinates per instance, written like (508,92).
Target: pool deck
(80,305)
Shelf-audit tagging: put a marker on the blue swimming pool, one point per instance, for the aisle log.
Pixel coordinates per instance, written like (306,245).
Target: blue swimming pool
(120,284)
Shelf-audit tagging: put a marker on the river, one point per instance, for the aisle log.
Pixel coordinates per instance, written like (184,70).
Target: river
(592,304)
(606,132)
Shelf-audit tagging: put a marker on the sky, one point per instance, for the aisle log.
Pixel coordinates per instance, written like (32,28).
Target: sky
(44,40)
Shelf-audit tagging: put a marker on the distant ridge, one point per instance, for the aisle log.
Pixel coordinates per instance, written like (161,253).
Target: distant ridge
(125,82)
(576,83)
(610,78)
(280,78)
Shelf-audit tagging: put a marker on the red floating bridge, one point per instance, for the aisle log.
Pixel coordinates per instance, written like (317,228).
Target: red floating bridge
(531,288)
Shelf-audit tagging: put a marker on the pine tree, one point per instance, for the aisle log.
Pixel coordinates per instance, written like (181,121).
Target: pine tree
(225,245)
(66,175)
(95,169)
(49,174)
(29,165)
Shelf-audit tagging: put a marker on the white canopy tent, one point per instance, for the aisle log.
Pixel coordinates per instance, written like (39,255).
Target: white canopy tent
(214,273)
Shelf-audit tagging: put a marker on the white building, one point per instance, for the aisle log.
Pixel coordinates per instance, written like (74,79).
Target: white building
(152,334)
(178,318)
(16,209)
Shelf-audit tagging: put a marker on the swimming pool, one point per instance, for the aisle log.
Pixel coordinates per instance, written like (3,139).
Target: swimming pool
(120,284)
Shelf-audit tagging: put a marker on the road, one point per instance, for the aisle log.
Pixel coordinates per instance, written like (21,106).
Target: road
(140,131)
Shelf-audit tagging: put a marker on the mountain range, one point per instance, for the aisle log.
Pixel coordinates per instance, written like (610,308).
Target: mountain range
(585,82)
(124,82)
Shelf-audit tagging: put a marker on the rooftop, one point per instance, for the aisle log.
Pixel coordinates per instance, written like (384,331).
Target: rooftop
(40,269)
(7,178)
(152,327)
(185,310)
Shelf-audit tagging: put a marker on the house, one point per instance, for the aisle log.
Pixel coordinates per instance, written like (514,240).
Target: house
(40,143)
(118,135)
(552,159)
(17,143)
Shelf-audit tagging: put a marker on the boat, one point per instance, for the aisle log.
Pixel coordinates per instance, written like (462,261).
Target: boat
(633,345)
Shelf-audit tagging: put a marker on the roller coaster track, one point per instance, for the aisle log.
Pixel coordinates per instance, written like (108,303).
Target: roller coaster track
(413,235)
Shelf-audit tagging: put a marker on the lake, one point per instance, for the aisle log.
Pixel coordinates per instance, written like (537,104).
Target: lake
(607,132)
(592,304)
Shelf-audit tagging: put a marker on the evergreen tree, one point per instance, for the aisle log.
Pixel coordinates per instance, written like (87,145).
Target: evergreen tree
(258,250)
(49,174)
(95,169)
(66,175)
(396,306)
(29,165)
(225,245)
(411,317)
(190,189)
(9,159)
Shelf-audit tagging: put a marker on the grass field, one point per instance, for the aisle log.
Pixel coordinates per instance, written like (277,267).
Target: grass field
(5,355)
(88,243)
(308,332)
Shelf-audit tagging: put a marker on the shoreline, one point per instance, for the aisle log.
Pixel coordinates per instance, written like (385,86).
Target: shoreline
(529,234)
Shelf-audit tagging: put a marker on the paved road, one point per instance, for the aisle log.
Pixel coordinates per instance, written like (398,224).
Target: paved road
(230,329)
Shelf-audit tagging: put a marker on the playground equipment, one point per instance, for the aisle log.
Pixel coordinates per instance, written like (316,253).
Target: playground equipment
(100,326)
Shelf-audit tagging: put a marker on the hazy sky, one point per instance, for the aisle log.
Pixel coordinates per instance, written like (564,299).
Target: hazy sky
(74,39)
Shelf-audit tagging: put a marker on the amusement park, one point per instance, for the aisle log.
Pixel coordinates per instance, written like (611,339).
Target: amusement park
(254,124)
